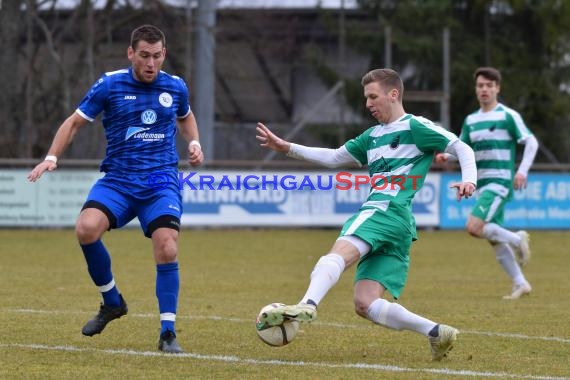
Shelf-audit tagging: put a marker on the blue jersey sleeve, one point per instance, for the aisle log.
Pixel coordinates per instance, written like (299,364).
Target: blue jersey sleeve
(184,108)
(93,102)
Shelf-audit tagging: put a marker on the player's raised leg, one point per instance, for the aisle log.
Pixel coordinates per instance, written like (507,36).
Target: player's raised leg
(324,276)
(90,226)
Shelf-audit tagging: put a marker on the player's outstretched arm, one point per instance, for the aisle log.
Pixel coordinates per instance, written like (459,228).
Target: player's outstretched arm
(331,158)
(269,140)
(61,140)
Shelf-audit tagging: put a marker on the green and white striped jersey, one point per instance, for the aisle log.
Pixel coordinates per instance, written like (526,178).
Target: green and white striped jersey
(493,136)
(399,155)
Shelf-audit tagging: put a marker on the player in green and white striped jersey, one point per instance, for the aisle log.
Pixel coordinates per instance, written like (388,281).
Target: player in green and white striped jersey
(493,132)
(398,152)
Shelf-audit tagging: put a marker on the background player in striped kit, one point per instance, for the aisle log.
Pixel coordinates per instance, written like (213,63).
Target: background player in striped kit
(142,107)
(493,132)
(378,237)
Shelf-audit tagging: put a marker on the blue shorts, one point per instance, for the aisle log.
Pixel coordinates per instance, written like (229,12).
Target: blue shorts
(122,198)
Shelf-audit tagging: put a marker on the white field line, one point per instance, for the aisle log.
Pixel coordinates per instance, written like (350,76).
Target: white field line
(317,323)
(236,359)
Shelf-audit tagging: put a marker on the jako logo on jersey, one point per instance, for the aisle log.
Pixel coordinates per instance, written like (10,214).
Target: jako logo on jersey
(165,99)
(148,117)
(130,97)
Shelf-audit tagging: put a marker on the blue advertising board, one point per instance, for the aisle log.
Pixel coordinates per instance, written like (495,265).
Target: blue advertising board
(544,204)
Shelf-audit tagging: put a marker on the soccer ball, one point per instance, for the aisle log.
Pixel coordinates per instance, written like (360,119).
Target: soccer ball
(279,335)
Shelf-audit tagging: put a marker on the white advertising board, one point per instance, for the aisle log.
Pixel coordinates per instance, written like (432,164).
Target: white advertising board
(213,198)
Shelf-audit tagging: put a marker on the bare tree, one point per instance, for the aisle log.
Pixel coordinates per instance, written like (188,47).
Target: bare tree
(10,22)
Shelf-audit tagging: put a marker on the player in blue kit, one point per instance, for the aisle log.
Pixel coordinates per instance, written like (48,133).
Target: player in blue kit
(142,109)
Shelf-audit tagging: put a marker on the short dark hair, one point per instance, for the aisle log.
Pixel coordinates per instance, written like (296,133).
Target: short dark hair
(147,33)
(489,73)
(388,78)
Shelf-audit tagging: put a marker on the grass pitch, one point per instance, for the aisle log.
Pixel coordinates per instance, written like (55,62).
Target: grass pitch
(228,275)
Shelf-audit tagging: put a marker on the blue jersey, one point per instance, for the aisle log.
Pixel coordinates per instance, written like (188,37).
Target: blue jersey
(139,120)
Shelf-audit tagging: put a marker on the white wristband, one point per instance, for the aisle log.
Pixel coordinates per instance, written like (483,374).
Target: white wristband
(195,142)
(51,158)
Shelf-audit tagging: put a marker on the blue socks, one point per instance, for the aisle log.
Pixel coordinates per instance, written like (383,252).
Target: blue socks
(99,267)
(167,286)
(167,283)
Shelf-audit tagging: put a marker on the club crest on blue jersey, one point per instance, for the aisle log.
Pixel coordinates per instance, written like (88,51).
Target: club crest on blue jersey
(148,117)
(165,99)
